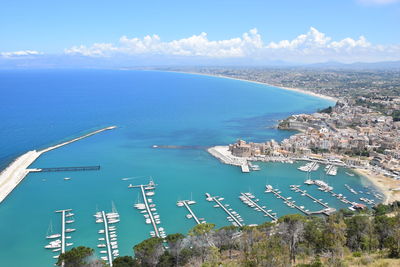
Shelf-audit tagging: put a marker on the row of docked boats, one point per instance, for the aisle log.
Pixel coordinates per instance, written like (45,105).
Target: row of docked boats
(55,239)
(108,241)
(331,170)
(251,201)
(233,217)
(149,210)
(311,166)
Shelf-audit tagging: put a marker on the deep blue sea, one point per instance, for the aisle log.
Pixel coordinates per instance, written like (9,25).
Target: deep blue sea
(44,107)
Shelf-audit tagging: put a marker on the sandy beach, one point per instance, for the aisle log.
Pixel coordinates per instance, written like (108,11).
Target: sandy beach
(302,91)
(385,184)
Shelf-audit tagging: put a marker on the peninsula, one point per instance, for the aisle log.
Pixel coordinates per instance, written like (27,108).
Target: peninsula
(11,176)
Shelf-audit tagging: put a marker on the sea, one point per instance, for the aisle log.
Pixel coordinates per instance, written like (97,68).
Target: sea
(185,112)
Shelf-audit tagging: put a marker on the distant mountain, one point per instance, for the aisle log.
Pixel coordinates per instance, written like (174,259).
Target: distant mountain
(77,61)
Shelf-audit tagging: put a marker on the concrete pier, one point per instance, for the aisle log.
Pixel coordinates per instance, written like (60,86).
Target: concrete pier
(258,206)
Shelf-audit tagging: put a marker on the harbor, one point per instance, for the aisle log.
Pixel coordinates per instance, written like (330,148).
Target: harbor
(149,211)
(247,198)
(19,168)
(233,216)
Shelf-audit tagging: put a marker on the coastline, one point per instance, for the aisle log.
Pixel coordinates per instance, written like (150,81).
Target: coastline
(18,169)
(298,90)
(385,184)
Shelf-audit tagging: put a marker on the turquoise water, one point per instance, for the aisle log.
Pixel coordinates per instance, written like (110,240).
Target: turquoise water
(41,108)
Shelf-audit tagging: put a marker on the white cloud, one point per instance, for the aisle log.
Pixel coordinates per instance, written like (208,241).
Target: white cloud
(377,2)
(313,46)
(196,45)
(20,53)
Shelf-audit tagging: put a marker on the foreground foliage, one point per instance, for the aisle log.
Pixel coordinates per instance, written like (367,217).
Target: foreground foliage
(370,238)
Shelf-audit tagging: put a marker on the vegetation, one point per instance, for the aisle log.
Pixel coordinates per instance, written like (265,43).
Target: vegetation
(346,238)
(78,257)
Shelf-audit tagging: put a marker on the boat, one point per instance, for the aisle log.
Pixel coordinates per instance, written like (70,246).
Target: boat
(69,230)
(101,245)
(69,214)
(69,244)
(69,221)
(349,174)
(67,178)
(50,234)
(189,216)
(56,250)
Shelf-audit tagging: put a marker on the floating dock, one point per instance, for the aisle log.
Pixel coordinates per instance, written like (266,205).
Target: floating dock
(296,188)
(186,203)
(230,214)
(109,253)
(327,210)
(266,213)
(288,202)
(158,232)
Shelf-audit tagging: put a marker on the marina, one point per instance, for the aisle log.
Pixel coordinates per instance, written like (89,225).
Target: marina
(150,214)
(233,216)
(191,214)
(247,198)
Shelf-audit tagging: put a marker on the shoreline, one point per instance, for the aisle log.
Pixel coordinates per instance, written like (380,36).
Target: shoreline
(18,169)
(298,90)
(385,184)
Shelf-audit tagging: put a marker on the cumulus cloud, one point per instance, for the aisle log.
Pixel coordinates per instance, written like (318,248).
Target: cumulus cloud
(313,46)
(21,53)
(196,45)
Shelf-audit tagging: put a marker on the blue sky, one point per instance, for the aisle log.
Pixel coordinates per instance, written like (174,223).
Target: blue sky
(51,27)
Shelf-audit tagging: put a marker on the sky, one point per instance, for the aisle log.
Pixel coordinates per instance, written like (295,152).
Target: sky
(217,31)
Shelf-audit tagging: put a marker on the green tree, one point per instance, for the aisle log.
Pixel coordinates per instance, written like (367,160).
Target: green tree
(125,261)
(149,251)
(175,244)
(292,231)
(76,257)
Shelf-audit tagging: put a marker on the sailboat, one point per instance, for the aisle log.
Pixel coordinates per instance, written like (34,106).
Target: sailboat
(50,234)
(191,201)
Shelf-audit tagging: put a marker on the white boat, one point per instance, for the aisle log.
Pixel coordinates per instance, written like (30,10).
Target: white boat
(69,221)
(189,216)
(69,244)
(56,250)
(50,234)
(101,245)
(69,230)
(67,178)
